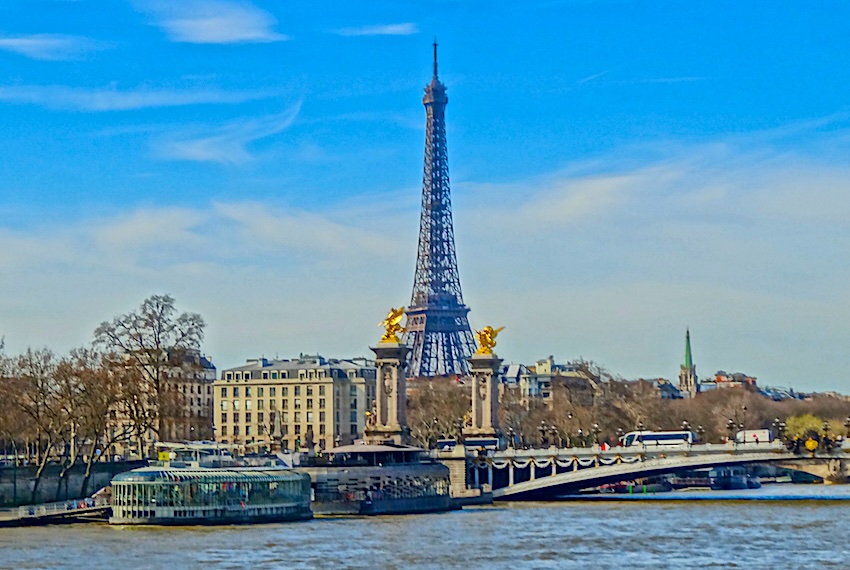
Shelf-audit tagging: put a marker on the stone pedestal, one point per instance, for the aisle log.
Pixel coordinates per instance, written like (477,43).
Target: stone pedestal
(389,412)
(484,369)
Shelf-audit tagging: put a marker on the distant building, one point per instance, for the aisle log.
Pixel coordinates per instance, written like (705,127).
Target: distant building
(689,385)
(184,404)
(667,391)
(539,380)
(305,402)
(724,379)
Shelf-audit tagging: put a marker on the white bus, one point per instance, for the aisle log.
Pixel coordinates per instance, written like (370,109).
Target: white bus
(658,438)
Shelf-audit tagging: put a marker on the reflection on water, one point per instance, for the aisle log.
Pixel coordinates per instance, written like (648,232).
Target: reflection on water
(568,534)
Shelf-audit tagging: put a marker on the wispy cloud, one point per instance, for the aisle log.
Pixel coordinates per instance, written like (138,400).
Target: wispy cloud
(114,99)
(51,47)
(227,144)
(212,21)
(590,78)
(404,29)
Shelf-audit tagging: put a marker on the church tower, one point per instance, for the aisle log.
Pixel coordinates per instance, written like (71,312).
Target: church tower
(688,381)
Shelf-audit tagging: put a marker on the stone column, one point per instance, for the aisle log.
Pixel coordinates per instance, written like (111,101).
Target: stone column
(390,410)
(485,395)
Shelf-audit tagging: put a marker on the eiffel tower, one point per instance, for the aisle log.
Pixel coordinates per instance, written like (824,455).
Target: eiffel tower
(437,328)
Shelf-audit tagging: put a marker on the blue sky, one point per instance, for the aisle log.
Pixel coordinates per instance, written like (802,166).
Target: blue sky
(620,171)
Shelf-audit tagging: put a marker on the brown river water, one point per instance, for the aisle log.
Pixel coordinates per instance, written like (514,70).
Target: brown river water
(697,530)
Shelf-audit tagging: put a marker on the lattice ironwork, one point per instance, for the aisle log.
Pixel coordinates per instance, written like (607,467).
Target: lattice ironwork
(438,331)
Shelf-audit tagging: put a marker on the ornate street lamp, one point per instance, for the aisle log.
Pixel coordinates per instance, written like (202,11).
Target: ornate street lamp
(825,428)
(620,434)
(640,426)
(731,427)
(542,429)
(701,434)
(580,437)
(686,426)
(553,432)
(511,436)
(596,431)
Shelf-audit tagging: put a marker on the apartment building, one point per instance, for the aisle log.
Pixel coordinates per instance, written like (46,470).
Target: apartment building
(305,402)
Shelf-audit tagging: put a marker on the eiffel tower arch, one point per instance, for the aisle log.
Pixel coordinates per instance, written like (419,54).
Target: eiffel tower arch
(437,328)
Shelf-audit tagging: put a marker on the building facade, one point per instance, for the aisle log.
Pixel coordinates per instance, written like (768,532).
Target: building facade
(308,402)
(182,410)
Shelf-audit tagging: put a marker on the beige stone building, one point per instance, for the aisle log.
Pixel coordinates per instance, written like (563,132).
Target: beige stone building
(297,403)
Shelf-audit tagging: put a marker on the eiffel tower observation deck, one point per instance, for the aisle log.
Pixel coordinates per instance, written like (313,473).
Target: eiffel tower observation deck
(437,328)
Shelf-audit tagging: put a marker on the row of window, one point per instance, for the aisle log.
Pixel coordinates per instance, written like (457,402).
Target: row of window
(263,430)
(236,405)
(284,417)
(302,375)
(248,392)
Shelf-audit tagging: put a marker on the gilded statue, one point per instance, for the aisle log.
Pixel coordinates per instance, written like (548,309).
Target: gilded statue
(392,326)
(487,339)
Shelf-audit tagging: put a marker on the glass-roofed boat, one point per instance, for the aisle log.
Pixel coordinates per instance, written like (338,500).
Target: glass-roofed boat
(187,493)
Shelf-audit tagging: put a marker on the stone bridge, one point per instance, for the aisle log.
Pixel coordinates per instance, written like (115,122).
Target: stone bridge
(527,474)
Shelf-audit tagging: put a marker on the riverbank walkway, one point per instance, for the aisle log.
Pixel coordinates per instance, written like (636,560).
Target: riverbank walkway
(58,512)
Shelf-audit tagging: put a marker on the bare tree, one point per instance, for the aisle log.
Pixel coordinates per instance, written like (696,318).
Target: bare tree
(152,339)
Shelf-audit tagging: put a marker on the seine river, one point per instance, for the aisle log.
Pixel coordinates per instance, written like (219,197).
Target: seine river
(638,533)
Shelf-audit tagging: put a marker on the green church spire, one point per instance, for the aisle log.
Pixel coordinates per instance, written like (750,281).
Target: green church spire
(689,361)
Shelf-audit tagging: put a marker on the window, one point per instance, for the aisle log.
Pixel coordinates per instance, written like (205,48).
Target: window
(298,390)
(247,430)
(284,391)
(353,391)
(309,417)
(321,390)
(224,405)
(223,418)
(352,428)
(353,417)
(260,404)
(297,429)
(248,404)
(284,429)
(309,403)
(224,391)
(247,376)
(297,405)
(273,404)
(235,418)
(322,417)
(259,417)
(235,404)
(272,392)
(209,390)
(236,391)
(229,376)
(235,430)
(322,429)
(247,418)
(247,391)
(353,403)
(285,443)
(265,375)
(284,417)
(260,392)
(321,403)
(274,377)
(297,417)
(309,390)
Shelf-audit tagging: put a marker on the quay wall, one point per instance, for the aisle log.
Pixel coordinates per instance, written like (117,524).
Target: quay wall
(16,484)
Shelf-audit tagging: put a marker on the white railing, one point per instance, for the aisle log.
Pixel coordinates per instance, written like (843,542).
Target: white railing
(62,507)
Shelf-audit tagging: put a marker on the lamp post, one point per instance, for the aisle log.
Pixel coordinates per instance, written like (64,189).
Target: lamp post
(570,429)
(580,437)
(847,426)
(731,427)
(542,429)
(743,416)
(596,431)
(686,426)
(553,432)
(640,426)
(511,435)
(620,434)
(701,434)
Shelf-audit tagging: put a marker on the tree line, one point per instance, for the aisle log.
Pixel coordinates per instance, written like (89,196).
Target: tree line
(75,408)
(581,412)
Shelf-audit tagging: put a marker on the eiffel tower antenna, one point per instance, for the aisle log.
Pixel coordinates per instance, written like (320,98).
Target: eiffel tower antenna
(437,328)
